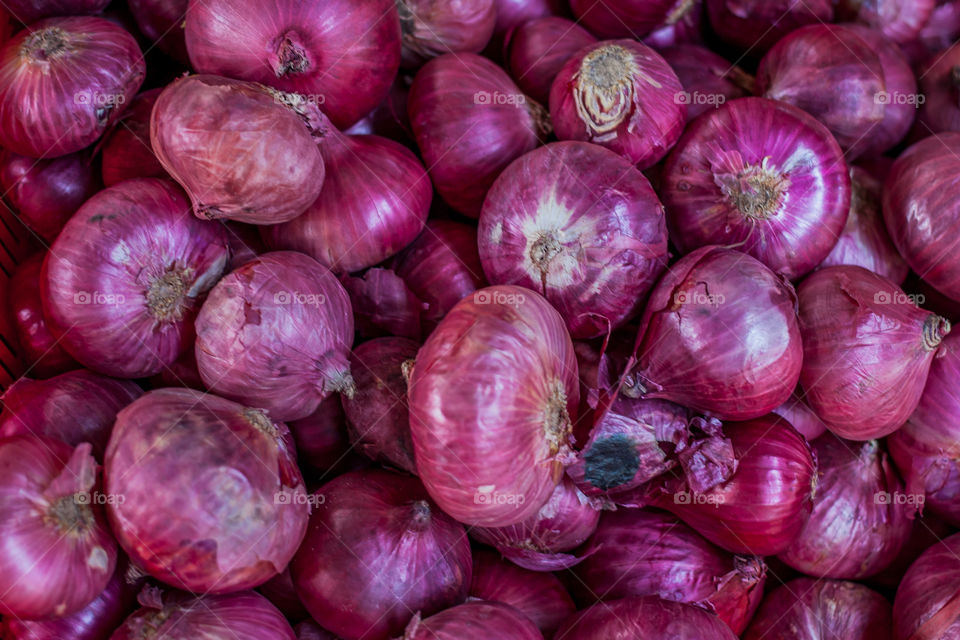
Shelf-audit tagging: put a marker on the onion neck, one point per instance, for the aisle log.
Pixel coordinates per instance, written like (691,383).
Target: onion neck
(756,191)
(259,421)
(420,515)
(751,569)
(290,56)
(540,116)
(604,90)
(45,45)
(543,250)
(406,369)
(935,329)
(557,425)
(71,515)
(681,10)
(167,295)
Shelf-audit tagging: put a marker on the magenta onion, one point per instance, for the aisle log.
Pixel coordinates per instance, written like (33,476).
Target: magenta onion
(435,27)
(629,18)
(470,121)
(928,599)
(321,437)
(125,277)
(708,80)
(282,594)
(763,177)
(719,334)
(342,55)
(161,21)
(207,494)
(895,20)
(867,349)
(579,225)
(389,118)
(644,618)
(940,86)
(622,95)
(59,551)
(27,11)
(493,396)
(807,609)
(86,69)
(798,413)
(126,152)
(276,334)
(753,26)
(383,304)
(379,534)
(474,621)
(539,48)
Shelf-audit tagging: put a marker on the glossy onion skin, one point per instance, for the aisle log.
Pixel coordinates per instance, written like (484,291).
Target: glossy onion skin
(539,48)
(491,441)
(276,334)
(88,70)
(378,549)
(626,18)
(751,362)
(927,605)
(718,181)
(704,73)
(867,349)
(435,27)
(126,152)
(213,501)
(753,26)
(593,252)
(122,283)
(474,621)
(644,618)
(293,45)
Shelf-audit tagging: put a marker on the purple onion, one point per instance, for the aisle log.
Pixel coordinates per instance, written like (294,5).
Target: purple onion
(927,603)
(282,594)
(383,304)
(161,21)
(473,621)
(321,437)
(631,18)
(644,618)
(708,80)
(539,48)
(435,27)
(894,20)
(126,152)
(940,86)
(801,417)
(753,26)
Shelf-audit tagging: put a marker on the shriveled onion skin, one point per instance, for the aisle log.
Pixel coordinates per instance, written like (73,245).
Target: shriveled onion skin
(763,177)
(126,152)
(293,46)
(435,27)
(162,22)
(927,604)
(539,48)
(87,69)
(707,78)
(124,279)
(627,18)
(867,349)
(644,618)
(493,395)
(753,26)
(593,252)
(474,621)
(212,500)
(378,549)
(897,21)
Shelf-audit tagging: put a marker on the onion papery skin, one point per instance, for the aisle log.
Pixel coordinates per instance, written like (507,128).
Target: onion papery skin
(763,177)
(60,554)
(124,279)
(708,79)
(470,121)
(798,413)
(434,27)
(162,22)
(538,50)
(377,412)
(321,437)
(940,85)
(538,595)
(379,534)
(808,609)
(896,21)
(245,615)
(493,396)
(45,193)
(86,69)
(474,621)
(126,152)
(622,95)
(27,11)
(647,552)
(926,601)
(73,407)
(384,305)
(644,618)
(240,151)
(375,200)
(212,500)
(593,252)
(867,349)
(751,362)
(628,18)
(276,334)
(297,44)
(864,241)
(753,26)
(750,513)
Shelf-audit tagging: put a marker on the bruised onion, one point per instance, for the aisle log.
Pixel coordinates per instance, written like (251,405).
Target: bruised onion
(208,497)
(161,21)
(622,95)
(539,48)
(753,26)
(321,437)
(895,20)
(434,27)
(126,152)
(473,621)
(708,80)
(383,304)
(927,604)
(629,18)
(85,69)
(493,396)
(379,533)
(644,618)
(867,349)
(798,413)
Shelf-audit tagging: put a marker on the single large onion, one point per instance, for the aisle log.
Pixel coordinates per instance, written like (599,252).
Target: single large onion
(867,349)
(753,26)
(86,70)
(622,95)
(321,437)
(474,621)
(493,395)
(893,19)
(384,305)
(376,551)
(539,48)
(435,27)
(470,121)
(126,275)
(644,618)
(161,21)
(928,599)
(276,334)
(708,80)
(208,495)
(719,334)
(342,54)
(126,152)
(629,18)
(27,11)
(763,177)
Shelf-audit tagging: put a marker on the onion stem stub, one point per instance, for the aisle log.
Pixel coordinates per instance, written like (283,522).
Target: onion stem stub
(756,191)
(167,294)
(604,90)
(934,329)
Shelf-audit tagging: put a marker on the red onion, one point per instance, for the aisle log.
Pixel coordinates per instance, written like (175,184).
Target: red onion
(719,334)
(321,437)
(644,618)
(538,595)
(763,177)
(282,594)
(85,69)
(310,630)
(579,225)
(161,21)
(383,304)
(374,202)
(926,532)
(123,281)
(708,80)
(27,11)
(245,243)
(629,18)
(293,46)
(240,150)
(389,119)
(928,599)
(807,609)
(126,152)
(59,552)
(867,349)
(45,193)
(276,334)
(893,19)
(206,492)
(491,441)
(753,26)
(379,534)
(181,373)
(470,121)
(513,13)
(620,94)
(798,413)
(474,621)
(435,27)
(941,31)
(538,50)
(940,86)
(684,24)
